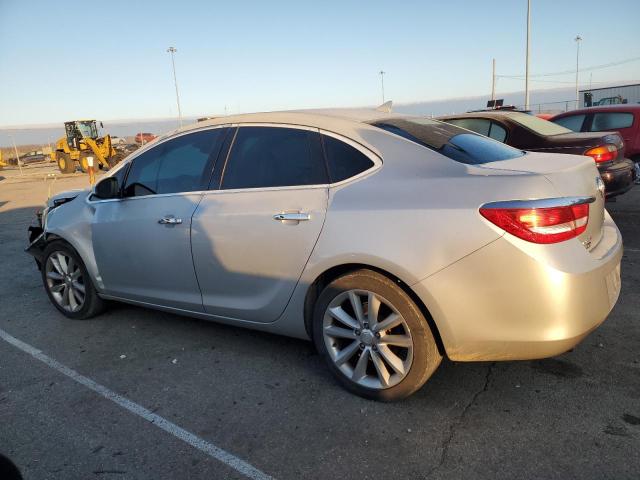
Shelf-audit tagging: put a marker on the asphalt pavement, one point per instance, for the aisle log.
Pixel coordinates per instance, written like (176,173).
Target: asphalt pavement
(269,403)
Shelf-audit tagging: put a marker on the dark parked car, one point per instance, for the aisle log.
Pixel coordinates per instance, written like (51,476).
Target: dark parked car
(33,157)
(624,119)
(527,132)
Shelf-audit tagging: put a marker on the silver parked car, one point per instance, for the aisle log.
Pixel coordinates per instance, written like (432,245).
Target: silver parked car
(388,240)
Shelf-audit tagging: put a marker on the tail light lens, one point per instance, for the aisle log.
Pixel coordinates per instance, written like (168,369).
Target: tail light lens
(603,153)
(540,225)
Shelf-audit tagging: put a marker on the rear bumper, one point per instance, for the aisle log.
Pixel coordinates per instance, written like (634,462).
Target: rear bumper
(509,301)
(618,178)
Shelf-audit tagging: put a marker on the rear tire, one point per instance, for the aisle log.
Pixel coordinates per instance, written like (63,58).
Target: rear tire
(382,349)
(68,284)
(65,164)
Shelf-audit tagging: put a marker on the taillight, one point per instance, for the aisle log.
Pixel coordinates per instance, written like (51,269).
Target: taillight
(540,225)
(603,153)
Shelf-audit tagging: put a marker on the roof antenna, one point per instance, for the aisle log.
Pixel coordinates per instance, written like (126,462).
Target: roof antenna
(385,107)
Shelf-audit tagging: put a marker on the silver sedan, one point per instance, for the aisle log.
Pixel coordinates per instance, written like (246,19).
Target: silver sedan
(388,240)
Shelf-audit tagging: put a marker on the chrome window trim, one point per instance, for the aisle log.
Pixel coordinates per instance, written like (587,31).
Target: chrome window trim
(377,161)
(161,140)
(140,197)
(540,203)
(266,189)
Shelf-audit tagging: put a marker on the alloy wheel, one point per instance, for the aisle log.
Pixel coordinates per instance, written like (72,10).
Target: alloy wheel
(65,281)
(367,339)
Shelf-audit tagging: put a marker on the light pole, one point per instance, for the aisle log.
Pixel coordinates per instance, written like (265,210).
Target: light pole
(172,51)
(381,72)
(493,81)
(578,39)
(526,73)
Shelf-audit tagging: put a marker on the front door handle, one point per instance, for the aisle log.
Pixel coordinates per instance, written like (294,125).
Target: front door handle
(170,221)
(296,217)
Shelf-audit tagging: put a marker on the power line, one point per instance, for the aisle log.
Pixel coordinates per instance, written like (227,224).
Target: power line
(566,72)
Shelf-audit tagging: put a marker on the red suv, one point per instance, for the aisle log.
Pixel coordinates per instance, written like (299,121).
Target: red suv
(144,137)
(625,119)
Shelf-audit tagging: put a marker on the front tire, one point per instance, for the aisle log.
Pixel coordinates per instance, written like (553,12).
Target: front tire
(65,164)
(83,162)
(373,337)
(68,283)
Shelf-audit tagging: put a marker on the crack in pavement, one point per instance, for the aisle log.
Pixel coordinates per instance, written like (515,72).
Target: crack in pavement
(458,422)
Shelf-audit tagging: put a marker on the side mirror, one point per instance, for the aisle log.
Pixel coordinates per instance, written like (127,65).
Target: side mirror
(107,188)
(101,125)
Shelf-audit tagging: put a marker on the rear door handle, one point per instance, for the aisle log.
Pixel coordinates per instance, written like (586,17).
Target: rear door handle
(297,217)
(168,220)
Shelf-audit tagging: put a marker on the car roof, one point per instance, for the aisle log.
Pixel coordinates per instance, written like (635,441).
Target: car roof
(602,108)
(484,114)
(338,120)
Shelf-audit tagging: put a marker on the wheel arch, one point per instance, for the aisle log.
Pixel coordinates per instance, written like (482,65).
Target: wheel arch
(326,277)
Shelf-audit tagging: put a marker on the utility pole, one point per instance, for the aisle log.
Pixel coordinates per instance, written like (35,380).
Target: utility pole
(578,39)
(493,81)
(172,51)
(526,74)
(382,82)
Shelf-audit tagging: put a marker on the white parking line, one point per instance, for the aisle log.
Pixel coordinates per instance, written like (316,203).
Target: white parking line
(178,432)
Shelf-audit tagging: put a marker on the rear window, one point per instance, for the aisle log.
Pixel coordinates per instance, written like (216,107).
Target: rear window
(538,125)
(456,143)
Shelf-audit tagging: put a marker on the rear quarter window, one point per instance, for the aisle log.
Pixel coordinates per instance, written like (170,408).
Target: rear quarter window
(572,122)
(611,121)
(451,141)
(343,160)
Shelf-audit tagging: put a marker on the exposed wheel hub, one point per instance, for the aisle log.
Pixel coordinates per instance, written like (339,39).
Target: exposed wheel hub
(367,337)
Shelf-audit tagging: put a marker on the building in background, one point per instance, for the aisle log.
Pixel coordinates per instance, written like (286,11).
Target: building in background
(611,95)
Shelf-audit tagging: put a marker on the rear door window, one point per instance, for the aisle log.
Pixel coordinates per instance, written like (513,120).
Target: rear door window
(263,157)
(610,121)
(343,160)
(449,140)
(572,122)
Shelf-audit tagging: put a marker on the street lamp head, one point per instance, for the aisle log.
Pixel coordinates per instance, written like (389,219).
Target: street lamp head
(171,50)
(578,38)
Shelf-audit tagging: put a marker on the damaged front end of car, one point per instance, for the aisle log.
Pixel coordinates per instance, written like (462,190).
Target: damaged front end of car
(37,235)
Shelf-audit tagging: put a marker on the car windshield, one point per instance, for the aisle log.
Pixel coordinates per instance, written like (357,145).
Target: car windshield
(453,142)
(538,125)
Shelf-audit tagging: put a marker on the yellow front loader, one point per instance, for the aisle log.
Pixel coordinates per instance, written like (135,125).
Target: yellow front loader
(82,141)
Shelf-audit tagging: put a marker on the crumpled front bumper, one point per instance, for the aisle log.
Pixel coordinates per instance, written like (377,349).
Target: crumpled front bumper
(37,240)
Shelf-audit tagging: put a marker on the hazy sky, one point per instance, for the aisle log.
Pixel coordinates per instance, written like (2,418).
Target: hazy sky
(108,60)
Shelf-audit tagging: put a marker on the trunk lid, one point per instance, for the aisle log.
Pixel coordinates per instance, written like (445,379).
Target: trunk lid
(571,176)
(579,142)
